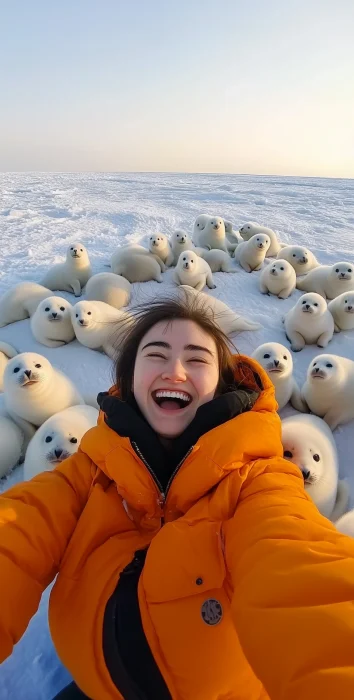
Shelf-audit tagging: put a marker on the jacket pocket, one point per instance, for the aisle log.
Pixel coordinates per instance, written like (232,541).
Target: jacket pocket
(183,560)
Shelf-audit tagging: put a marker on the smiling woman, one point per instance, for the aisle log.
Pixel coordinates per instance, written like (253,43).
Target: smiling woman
(188,553)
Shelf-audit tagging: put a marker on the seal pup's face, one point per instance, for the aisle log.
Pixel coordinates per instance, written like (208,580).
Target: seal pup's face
(324,370)
(26,371)
(188,261)
(342,272)
(201,221)
(157,240)
(228,226)
(312,303)
(54,309)
(83,315)
(305,453)
(248,229)
(76,251)
(216,223)
(176,371)
(347,303)
(180,237)
(57,445)
(280,268)
(275,359)
(261,241)
(300,255)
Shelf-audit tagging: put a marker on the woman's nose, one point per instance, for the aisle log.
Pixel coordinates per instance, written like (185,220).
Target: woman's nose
(175,371)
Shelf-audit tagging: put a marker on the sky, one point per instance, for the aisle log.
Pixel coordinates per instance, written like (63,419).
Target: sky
(237,86)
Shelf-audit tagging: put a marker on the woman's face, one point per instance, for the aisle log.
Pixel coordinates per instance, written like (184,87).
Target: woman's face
(176,371)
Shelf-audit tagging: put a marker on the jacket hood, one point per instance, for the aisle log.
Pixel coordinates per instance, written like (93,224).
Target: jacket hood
(251,435)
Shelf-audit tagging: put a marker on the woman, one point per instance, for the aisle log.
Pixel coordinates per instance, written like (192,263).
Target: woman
(192,564)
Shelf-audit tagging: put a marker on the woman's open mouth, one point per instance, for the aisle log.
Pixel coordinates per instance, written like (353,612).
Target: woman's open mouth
(171,400)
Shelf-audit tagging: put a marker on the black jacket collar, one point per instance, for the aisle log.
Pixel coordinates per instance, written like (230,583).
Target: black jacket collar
(126,420)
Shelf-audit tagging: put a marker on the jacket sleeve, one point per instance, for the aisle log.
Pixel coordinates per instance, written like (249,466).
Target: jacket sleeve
(293,587)
(37,519)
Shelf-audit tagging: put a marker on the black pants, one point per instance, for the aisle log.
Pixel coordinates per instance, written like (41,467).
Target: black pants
(71,692)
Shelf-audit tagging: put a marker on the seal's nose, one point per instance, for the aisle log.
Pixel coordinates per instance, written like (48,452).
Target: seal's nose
(28,373)
(81,322)
(276,362)
(58,453)
(305,473)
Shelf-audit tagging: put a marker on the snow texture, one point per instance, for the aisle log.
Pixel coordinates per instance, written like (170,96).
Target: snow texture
(41,214)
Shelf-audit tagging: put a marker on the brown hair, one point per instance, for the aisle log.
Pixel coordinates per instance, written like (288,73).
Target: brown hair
(191,308)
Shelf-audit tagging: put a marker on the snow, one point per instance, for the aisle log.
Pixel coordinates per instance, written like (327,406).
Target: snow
(41,214)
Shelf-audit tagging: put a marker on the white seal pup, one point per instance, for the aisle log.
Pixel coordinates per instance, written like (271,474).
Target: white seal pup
(193,271)
(180,241)
(250,254)
(309,322)
(329,280)
(278,363)
(6,353)
(301,258)
(110,288)
(11,445)
(229,321)
(342,310)
(34,390)
(308,443)
(329,389)
(278,278)
(21,301)
(212,235)
(137,264)
(51,322)
(99,326)
(218,260)
(57,439)
(160,245)
(199,225)
(345,524)
(251,228)
(71,275)
(231,235)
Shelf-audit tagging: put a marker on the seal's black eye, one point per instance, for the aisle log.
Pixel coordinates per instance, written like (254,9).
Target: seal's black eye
(294,255)
(48,438)
(329,364)
(266,356)
(288,454)
(77,315)
(282,268)
(337,269)
(248,227)
(304,302)
(285,357)
(316,458)
(47,308)
(81,250)
(349,269)
(71,248)
(17,369)
(315,304)
(89,313)
(62,308)
(38,366)
(73,440)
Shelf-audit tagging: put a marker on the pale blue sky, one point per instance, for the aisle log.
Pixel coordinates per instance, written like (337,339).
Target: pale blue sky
(258,86)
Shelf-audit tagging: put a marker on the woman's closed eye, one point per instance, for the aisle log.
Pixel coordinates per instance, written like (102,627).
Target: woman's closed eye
(156,354)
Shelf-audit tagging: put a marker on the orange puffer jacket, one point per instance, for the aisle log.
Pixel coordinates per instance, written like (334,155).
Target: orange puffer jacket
(241,545)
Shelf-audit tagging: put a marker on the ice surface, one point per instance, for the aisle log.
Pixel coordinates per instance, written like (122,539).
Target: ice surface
(40,214)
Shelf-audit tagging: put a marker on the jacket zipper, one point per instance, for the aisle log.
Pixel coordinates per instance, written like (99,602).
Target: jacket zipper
(163,494)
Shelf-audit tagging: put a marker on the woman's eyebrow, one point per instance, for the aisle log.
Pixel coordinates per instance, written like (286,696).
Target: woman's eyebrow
(198,347)
(157,343)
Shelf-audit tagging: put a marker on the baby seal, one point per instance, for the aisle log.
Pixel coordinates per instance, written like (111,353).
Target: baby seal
(34,390)
(99,326)
(250,255)
(329,389)
(329,280)
(212,235)
(21,301)
(6,353)
(301,258)
(229,321)
(51,322)
(278,363)
(218,260)
(342,310)
(137,264)
(278,278)
(251,228)
(193,271)
(58,438)
(308,442)
(308,322)
(71,275)
(160,245)
(110,288)
(180,241)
